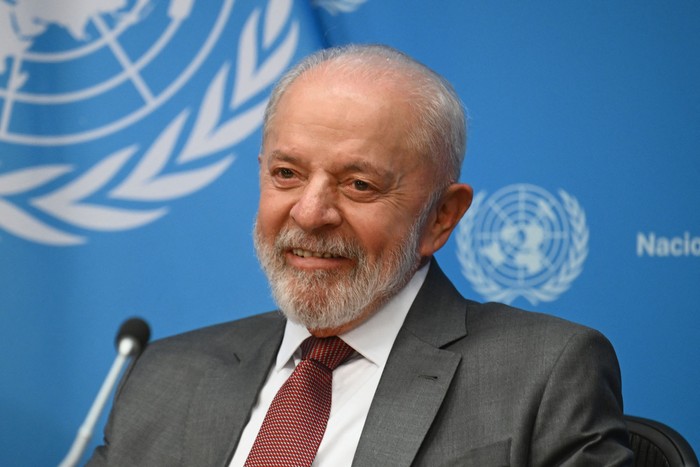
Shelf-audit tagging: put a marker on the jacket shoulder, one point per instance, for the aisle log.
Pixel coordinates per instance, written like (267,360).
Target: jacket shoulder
(240,330)
(500,319)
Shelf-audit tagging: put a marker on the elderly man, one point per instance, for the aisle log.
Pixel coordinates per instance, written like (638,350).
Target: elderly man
(376,359)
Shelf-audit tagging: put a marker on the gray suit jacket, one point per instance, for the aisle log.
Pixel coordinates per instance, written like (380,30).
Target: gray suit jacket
(465,384)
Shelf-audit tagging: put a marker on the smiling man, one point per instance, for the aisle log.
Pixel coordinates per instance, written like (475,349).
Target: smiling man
(375,358)
(347,195)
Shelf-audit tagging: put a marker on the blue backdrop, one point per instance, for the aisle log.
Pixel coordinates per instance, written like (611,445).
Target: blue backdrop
(128,177)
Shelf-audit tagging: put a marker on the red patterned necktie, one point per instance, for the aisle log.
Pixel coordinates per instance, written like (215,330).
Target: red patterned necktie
(297,418)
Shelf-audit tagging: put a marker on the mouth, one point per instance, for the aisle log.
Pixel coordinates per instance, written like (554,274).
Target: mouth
(313,254)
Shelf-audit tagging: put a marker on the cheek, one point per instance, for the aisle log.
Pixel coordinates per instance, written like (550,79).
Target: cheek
(272,214)
(379,232)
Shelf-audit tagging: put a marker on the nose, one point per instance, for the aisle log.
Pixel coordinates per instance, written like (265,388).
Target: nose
(316,208)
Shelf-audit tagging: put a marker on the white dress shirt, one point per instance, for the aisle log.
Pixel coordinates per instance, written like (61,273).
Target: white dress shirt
(354,382)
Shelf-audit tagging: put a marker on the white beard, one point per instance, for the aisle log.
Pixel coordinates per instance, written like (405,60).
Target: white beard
(325,299)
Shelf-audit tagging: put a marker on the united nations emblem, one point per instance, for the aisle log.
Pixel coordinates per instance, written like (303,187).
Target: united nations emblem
(113,63)
(522,242)
(125,59)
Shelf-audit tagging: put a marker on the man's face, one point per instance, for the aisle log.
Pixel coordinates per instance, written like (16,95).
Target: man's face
(341,195)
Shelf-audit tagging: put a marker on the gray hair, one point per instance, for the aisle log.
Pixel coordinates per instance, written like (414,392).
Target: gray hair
(441,131)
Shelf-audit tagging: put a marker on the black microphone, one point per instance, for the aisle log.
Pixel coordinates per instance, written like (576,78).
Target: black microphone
(131,340)
(132,337)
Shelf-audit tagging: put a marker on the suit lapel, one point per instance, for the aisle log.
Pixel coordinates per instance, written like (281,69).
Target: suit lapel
(416,377)
(224,397)
(413,385)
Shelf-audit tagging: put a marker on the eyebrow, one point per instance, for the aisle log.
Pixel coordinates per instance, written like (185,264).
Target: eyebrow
(282,156)
(353,166)
(367,167)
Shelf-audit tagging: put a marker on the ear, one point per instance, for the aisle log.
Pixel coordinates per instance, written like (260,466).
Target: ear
(445,217)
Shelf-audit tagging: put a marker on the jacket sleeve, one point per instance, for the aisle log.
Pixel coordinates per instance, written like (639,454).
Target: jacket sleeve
(580,418)
(141,429)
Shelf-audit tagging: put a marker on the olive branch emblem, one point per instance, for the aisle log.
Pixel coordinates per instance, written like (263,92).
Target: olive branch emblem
(559,282)
(42,218)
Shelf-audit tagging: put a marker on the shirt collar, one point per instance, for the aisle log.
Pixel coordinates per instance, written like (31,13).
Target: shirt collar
(374,338)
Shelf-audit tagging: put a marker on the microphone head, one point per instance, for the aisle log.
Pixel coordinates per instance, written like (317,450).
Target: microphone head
(136,330)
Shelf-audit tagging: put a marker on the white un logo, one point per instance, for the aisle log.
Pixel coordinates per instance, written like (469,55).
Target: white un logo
(77,71)
(102,61)
(522,242)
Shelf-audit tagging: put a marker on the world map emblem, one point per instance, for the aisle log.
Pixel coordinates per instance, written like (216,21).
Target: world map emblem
(114,51)
(125,59)
(522,242)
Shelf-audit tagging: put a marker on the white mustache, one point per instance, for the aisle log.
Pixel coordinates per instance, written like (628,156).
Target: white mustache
(323,246)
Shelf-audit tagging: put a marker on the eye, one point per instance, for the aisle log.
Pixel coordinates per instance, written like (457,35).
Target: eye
(284,173)
(285,177)
(361,191)
(360,185)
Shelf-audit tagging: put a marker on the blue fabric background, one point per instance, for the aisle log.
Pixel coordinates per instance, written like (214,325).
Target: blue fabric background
(599,99)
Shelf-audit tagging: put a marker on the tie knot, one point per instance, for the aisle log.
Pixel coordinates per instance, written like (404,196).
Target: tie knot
(328,351)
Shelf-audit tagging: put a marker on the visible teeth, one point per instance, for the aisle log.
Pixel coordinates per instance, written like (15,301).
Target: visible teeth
(314,254)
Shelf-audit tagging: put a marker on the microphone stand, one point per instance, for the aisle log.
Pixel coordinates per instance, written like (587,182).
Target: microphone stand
(127,346)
